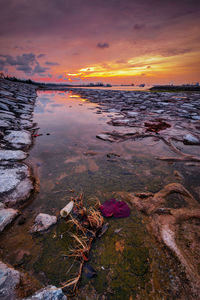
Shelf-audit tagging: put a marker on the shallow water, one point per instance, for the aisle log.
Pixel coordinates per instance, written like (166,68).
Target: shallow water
(68,159)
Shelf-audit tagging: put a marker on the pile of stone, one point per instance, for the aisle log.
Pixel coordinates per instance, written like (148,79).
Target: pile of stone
(16,108)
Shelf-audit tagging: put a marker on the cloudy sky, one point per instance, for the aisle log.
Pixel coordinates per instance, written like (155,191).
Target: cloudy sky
(114,41)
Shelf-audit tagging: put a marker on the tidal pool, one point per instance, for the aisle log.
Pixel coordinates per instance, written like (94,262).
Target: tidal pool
(68,159)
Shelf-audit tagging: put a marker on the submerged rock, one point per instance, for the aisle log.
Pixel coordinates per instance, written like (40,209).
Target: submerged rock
(9,279)
(43,222)
(7,215)
(48,293)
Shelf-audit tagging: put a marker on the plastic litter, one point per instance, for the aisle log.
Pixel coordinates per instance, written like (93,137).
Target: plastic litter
(67,209)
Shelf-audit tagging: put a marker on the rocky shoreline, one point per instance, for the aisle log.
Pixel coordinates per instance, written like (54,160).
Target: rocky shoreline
(170,117)
(17,102)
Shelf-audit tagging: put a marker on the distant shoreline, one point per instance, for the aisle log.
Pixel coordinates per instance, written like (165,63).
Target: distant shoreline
(175,88)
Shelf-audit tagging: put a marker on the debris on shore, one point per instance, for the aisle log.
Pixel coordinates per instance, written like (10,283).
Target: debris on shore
(88,223)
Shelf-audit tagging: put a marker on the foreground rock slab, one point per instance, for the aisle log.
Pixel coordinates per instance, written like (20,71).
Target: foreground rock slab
(48,293)
(43,222)
(9,279)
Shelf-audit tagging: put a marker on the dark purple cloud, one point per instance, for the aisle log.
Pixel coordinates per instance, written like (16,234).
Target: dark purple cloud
(50,63)
(41,55)
(102,45)
(26,63)
(138,26)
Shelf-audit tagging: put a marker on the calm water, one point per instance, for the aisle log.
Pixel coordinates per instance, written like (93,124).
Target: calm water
(68,159)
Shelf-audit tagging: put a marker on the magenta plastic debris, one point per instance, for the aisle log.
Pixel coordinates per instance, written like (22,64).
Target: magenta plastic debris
(115,208)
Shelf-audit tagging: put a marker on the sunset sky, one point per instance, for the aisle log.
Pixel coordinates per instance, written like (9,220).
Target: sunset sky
(112,41)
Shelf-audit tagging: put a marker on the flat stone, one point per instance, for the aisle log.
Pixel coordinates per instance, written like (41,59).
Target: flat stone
(43,222)
(12,155)
(48,293)
(9,279)
(17,138)
(7,215)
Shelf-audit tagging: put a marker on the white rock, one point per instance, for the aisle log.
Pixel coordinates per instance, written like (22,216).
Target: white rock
(18,138)
(21,193)
(6,217)
(48,293)
(43,222)
(132,113)
(190,139)
(9,279)
(11,176)
(5,93)
(4,106)
(196,117)
(12,155)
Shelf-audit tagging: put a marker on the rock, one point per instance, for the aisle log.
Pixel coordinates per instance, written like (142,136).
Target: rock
(120,122)
(9,279)
(132,113)
(105,137)
(20,194)
(11,175)
(15,184)
(6,217)
(2,206)
(43,222)
(5,93)
(5,124)
(189,139)
(18,139)
(48,293)
(4,106)
(196,118)
(12,155)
